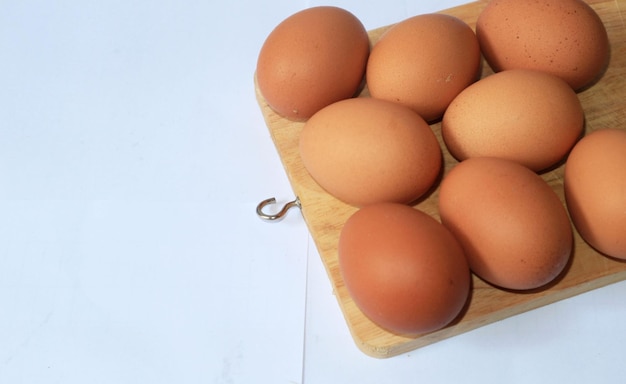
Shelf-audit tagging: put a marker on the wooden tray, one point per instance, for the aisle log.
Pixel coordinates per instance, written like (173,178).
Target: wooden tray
(604,106)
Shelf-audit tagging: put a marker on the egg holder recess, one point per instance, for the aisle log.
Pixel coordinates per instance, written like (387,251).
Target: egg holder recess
(604,107)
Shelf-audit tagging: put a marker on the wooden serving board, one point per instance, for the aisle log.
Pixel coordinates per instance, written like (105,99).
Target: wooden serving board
(605,107)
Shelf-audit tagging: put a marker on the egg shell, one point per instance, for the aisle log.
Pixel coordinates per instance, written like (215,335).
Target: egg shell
(595,190)
(423,62)
(563,37)
(526,116)
(311,59)
(512,226)
(364,150)
(403,269)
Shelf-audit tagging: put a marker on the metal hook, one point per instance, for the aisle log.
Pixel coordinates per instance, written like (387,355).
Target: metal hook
(277,216)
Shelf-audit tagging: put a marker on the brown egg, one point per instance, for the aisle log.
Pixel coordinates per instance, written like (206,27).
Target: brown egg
(365,150)
(563,37)
(595,190)
(423,62)
(403,269)
(312,59)
(512,226)
(526,116)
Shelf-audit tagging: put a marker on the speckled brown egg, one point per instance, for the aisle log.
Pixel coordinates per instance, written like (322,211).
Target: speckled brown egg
(403,269)
(365,150)
(595,190)
(514,230)
(562,37)
(526,116)
(423,62)
(311,59)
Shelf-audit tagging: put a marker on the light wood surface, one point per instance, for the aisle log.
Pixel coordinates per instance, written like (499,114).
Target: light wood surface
(605,107)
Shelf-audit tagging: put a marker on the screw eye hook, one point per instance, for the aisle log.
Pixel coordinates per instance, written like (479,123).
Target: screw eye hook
(276,216)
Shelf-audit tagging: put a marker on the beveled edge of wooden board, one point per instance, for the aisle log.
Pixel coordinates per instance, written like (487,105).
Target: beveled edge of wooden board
(325,215)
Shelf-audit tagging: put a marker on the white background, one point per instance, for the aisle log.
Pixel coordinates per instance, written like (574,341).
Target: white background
(132,157)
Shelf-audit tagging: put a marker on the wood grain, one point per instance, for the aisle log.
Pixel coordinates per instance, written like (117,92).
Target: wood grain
(604,105)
